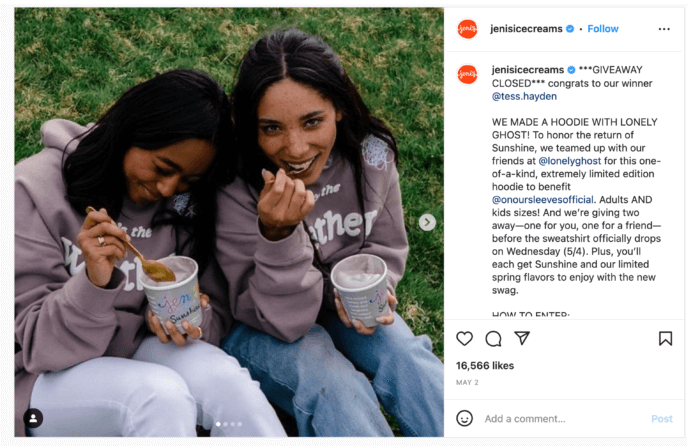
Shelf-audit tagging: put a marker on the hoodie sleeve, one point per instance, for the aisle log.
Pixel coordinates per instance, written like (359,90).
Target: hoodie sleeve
(60,320)
(216,318)
(387,238)
(272,285)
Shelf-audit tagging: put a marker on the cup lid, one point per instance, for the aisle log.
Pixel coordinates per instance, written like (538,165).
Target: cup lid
(185,270)
(358,272)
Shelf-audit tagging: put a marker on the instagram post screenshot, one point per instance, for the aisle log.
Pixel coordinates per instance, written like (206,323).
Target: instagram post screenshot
(225,222)
(567,318)
(470,223)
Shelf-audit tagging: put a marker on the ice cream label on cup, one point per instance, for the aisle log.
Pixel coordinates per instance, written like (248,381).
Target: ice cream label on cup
(174,305)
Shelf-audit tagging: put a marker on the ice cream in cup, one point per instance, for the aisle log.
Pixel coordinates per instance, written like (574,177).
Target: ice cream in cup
(361,283)
(176,301)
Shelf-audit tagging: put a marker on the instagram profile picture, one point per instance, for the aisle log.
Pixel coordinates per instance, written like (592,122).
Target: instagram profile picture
(467,74)
(467,28)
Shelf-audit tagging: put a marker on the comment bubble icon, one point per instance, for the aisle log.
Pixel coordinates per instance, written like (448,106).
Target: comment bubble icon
(493,339)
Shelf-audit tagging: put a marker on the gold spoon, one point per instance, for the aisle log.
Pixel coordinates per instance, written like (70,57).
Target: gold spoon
(154,269)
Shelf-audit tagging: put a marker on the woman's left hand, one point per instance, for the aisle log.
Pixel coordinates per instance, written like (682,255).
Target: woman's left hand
(173,333)
(359,326)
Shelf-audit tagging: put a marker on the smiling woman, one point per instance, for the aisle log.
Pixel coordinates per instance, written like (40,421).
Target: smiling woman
(90,356)
(297,129)
(152,175)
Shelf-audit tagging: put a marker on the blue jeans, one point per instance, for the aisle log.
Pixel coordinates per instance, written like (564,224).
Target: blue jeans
(323,379)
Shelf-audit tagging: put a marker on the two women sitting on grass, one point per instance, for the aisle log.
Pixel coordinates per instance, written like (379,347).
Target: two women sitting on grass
(317,183)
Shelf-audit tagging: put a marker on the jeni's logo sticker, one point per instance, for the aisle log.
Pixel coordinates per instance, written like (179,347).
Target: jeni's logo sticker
(467,28)
(467,74)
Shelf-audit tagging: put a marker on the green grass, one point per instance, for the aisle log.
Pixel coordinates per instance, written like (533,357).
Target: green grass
(74,63)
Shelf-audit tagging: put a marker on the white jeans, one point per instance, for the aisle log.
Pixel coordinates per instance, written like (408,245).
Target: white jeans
(164,391)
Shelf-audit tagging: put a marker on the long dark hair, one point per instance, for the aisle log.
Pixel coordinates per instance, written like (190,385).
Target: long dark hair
(171,107)
(308,60)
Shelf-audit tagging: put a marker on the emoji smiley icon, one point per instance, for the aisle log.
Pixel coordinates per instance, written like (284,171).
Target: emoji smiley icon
(464,418)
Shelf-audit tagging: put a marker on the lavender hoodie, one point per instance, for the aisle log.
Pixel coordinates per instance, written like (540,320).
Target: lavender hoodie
(61,318)
(273,286)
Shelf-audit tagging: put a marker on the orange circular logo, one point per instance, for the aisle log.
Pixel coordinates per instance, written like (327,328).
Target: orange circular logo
(467,74)
(467,28)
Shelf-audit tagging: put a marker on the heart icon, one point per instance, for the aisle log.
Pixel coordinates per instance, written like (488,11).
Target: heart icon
(464,337)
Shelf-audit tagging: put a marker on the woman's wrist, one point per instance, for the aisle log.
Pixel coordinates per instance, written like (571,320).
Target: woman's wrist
(95,279)
(110,284)
(276,234)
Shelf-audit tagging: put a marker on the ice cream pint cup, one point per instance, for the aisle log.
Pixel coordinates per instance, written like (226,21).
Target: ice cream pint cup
(175,301)
(361,283)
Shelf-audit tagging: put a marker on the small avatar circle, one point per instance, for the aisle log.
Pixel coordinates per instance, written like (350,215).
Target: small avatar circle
(467,74)
(33,418)
(464,418)
(467,28)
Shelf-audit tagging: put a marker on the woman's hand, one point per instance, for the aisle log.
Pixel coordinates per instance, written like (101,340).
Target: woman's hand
(282,205)
(173,333)
(359,326)
(102,243)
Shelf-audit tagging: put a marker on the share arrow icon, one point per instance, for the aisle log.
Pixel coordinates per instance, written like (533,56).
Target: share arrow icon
(522,335)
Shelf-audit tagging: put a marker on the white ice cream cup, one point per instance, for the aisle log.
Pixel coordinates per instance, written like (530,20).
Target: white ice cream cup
(361,283)
(175,301)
